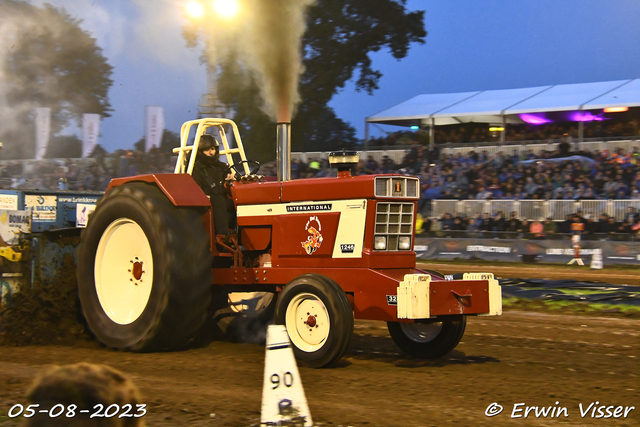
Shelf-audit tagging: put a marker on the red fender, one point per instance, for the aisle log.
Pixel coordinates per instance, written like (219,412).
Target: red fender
(180,188)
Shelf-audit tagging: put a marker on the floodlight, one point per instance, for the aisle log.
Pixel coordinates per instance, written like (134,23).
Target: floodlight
(226,7)
(616,109)
(195,9)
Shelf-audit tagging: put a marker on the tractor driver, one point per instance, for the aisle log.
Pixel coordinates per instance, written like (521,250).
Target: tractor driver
(208,172)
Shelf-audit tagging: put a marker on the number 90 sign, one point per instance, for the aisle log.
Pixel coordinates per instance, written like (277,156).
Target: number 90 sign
(287,380)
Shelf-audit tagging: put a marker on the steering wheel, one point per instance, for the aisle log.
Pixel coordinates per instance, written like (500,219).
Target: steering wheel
(240,173)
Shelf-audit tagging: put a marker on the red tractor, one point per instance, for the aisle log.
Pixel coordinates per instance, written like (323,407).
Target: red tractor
(326,249)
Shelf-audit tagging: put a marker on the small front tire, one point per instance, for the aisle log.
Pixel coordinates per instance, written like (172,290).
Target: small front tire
(428,340)
(318,317)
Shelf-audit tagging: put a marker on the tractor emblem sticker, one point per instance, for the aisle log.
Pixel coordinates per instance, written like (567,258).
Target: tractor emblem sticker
(314,241)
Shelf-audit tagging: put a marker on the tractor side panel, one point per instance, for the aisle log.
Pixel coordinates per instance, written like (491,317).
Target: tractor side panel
(255,238)
(307,235)
(258,193)
(318,189)
(180,188)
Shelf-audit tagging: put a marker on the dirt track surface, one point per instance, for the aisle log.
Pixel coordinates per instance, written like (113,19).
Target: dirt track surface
(532,359)
(520,357)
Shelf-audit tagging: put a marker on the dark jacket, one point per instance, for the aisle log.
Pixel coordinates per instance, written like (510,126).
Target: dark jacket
(208,172)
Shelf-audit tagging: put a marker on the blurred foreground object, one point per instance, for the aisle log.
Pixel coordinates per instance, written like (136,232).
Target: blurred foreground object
(89,387)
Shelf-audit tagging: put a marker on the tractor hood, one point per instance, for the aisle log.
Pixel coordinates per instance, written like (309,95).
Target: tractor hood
(320,189)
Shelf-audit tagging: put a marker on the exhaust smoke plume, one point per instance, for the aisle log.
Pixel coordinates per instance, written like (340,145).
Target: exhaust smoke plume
(271,44)
(11,24)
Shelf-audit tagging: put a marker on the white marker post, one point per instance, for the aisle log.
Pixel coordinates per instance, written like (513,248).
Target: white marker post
(283,399)
(575,239)
(596,259)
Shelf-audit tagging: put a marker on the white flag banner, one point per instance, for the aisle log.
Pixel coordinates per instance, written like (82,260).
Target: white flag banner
(90,133)
(43,129)
(154,127)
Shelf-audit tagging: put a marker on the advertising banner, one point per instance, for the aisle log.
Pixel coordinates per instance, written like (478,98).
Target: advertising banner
(43,129)
(13,224)
(90,133)
(9,201)
(83,210)
(43,208)
(154,126)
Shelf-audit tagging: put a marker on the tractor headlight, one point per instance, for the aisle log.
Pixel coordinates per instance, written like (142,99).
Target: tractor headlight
(404,243)
(380,243)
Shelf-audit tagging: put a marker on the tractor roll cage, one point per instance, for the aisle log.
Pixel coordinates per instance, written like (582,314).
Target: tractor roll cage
(202,126)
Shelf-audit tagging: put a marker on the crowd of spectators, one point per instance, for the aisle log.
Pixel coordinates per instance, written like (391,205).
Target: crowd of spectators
(470,133)
(562,174)
(475,175)
(85,174)
(588,176)
(559,175)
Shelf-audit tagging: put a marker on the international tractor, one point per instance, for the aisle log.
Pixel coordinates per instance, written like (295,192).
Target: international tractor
(325,250)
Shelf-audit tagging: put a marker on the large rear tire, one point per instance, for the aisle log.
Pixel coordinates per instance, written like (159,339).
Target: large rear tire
(428,340)
(144,270)
(318,318)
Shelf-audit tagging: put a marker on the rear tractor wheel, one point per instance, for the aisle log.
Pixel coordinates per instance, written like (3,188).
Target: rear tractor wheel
(144,270)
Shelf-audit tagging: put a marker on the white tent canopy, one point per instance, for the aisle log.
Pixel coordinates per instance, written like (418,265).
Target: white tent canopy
(505,105)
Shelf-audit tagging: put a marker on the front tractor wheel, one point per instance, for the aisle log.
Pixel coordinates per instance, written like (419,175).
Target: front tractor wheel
(318,318)
(428,340)
(144,270)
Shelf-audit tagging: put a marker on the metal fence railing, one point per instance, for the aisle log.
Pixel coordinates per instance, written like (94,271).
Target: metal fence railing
(524,147)
(535,209)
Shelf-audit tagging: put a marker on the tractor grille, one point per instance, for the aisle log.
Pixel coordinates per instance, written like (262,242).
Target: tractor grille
(394,226)
(399,187)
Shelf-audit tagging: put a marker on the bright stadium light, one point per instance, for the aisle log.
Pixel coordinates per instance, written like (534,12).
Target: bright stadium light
(226,7)
(616,109)
(195,9)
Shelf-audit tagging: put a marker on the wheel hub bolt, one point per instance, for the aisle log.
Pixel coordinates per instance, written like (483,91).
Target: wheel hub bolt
(311,321)
(137,270)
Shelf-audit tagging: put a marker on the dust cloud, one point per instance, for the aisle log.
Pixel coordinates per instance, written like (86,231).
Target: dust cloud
(31,81)
(12,23)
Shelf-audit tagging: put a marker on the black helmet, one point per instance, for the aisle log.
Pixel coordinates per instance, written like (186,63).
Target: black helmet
(207,142)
